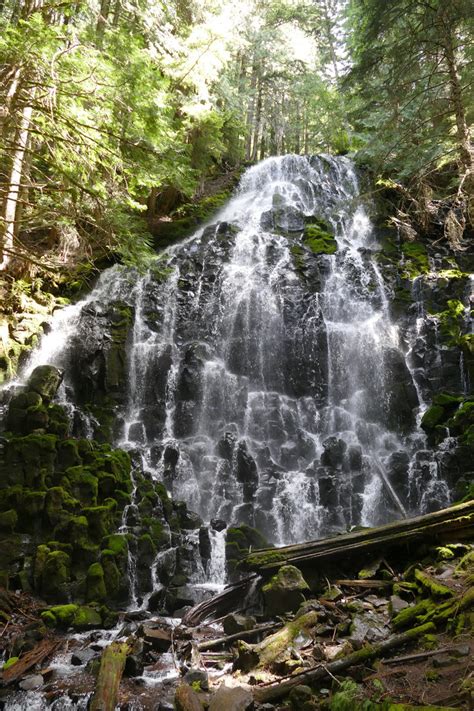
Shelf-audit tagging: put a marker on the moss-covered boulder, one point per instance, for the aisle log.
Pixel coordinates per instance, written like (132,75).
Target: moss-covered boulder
(45,380)
(285,591)
(56,575)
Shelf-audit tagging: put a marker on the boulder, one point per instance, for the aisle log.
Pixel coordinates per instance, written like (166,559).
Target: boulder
(45,381)
(234,623)
(334,450)
(231,699)
(285,591)
(186,699)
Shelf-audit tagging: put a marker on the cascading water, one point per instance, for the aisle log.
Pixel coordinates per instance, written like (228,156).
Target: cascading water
(266,383)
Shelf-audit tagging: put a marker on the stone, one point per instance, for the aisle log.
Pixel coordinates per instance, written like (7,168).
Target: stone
(334,450)
(159,639)
(396,605)
(231,699)
(197,676)
(234,623)
(45,381)
(83,656)
(299,695)
(285,591)
(186,699)
(218,524)
(31,682)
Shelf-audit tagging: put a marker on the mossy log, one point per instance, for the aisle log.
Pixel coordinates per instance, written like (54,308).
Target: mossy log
(279,689)
(264,654)
(111,669)
(228,639)
(454,523)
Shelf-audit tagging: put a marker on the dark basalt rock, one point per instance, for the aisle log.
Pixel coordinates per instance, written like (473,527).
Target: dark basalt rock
(334,450)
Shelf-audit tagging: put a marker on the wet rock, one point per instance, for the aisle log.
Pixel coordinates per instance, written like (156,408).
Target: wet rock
(285,591)
(234,623)
(83,656)
(45,381)
(225,446)
(205,548)
(197,676)
(231,699)
(159,639)
(31,682)
(218,524)
(334,449)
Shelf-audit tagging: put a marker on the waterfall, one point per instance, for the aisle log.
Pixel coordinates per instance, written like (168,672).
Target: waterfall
(265,381)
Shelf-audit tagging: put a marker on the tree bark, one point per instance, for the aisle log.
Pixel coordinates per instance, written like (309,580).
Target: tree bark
(13,188)
(110,673)
(453,523)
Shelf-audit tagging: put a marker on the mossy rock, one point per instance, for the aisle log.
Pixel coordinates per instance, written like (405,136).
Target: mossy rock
(433,416)
(117,543)
(56,575)
(8,520)
(100,520)
(415,259)
(95,584)
(58,506)
(112,575)
(59,616)
(81,484)
(68,454)
(319,239)
(285,591)
(87,618)
(45,380)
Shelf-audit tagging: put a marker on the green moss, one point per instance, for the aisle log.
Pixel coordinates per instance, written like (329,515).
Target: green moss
(117,543)
(411,614)
(95,584)
(451,323)
(56,574)
(433,416)
(261,559)
(87,618)
(433,587)
(8,520)
(63,615)
(415,259)
(9,663)
(318,239)
(100,520)
(81,484)
(112,575)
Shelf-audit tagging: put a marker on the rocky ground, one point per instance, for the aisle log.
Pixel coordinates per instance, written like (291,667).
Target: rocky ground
(397,635)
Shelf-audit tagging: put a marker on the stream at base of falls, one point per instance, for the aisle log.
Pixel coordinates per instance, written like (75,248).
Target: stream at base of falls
(263,379)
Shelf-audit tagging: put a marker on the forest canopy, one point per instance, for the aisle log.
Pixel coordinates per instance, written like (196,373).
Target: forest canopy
(104,105)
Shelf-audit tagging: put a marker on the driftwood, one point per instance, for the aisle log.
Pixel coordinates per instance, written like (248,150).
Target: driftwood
(37,655)
(227,601)
(452,524)
(279,689)
(111,669)
(245,634)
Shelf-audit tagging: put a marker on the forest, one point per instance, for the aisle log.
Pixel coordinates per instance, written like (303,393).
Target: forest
(236,355)
(106,107)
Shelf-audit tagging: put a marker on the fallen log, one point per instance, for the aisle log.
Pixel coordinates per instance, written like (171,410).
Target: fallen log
(245,634)
(451,524)
(111,669)
(227,601)
(37,655)
(279,689)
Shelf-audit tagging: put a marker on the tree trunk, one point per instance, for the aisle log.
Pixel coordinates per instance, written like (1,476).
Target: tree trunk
(462,129)
(10,208)
(111,669)
(454,523)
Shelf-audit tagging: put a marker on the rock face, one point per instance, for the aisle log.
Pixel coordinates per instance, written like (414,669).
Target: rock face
(268,379)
